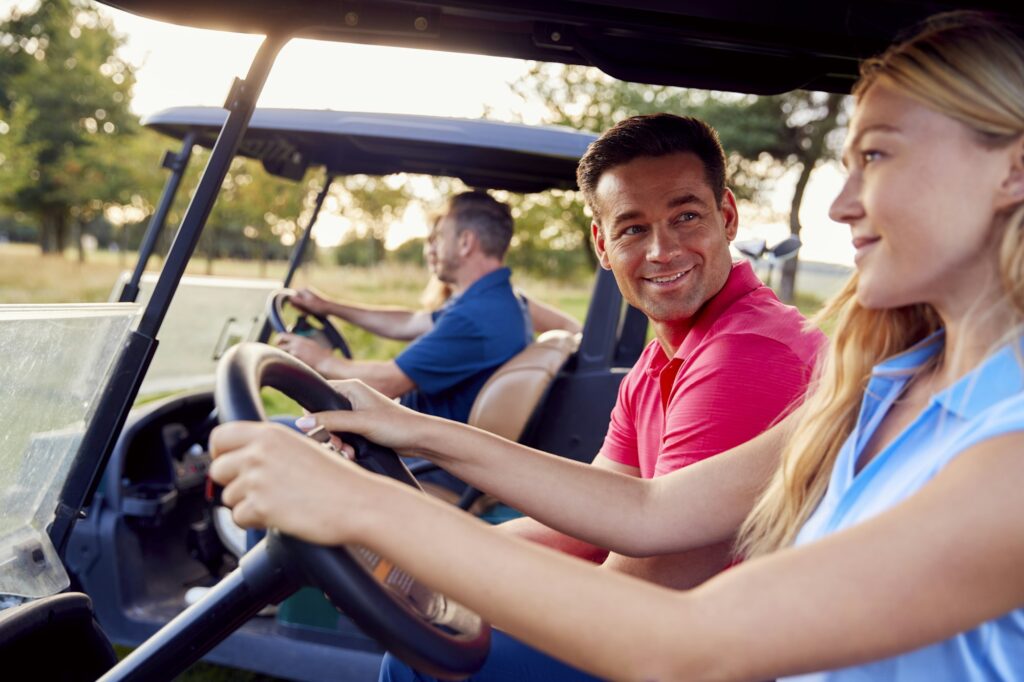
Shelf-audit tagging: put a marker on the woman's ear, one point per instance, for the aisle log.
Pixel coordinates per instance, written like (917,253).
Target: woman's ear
(1011,191)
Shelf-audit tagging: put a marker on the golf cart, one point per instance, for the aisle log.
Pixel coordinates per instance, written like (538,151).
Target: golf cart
(743,46)
(149,534)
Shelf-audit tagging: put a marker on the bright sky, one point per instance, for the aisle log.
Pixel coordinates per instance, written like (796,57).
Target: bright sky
(178,66)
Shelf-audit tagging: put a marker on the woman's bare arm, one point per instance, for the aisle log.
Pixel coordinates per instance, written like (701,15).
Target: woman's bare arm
(941,562)
(694,507)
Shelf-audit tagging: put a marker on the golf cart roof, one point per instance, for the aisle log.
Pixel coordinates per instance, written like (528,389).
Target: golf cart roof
(483,154)
(740,45)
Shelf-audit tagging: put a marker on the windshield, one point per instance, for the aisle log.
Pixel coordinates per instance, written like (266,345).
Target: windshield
(56,359)
(207,316)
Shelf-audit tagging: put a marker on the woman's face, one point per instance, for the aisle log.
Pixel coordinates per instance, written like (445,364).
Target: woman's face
(430,248)
(920,201)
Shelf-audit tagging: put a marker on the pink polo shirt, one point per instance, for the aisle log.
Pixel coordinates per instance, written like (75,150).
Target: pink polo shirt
(744,362)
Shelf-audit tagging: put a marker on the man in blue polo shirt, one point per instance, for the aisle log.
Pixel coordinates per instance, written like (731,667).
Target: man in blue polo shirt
(456,348)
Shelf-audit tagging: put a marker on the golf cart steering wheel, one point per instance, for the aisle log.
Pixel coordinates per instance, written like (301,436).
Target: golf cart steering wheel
(324,332)
(420,626)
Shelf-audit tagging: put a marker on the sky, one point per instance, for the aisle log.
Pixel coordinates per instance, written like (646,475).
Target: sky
(177,66)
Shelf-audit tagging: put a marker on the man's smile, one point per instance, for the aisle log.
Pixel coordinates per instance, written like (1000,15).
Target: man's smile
(668,278)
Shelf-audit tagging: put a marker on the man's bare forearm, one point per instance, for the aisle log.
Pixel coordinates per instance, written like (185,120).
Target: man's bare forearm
(396,323)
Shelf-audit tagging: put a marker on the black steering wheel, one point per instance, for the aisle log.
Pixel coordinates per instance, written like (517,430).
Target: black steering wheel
(323,332)
(422,627)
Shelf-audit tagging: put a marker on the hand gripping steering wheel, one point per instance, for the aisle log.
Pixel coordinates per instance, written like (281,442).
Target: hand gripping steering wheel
(324,332)
(422,627)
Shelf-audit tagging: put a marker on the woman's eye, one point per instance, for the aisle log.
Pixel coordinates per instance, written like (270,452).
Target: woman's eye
(870,155)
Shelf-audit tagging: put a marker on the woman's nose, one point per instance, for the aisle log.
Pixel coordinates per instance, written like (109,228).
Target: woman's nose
(847,207)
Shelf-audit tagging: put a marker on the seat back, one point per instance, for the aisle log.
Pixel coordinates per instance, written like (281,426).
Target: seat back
(510,397)
(56,638)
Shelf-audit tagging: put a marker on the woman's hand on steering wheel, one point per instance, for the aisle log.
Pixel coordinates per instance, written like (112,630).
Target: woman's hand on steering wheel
(274,477)
(373,415)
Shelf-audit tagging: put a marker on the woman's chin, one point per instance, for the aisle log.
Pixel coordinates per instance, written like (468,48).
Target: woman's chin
(874,297)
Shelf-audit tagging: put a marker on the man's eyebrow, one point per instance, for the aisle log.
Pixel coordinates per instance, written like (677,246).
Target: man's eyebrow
(681,200)
(873,128)
(625,216)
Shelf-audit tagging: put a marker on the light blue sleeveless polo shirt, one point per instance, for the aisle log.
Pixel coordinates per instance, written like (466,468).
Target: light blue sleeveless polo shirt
(988,402)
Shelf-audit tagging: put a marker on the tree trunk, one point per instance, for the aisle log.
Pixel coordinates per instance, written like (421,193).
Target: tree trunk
(834,104)
(48,231)
(80,240)
(787,285)
(60,231)
(47,244)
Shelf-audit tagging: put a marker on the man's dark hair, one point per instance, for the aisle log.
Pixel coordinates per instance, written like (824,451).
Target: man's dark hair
(651,136)
(490,219)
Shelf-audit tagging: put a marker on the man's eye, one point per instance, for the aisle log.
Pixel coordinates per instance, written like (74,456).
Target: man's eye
(686,217)
(633,229)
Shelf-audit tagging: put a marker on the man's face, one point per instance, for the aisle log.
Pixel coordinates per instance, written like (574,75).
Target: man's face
(444,256)
(663,235)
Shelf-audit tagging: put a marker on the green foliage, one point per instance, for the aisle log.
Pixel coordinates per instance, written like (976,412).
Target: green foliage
(552,236)
(409,252)
(360,251)
(257,216)
(60,69)
(17,153)
(370,204)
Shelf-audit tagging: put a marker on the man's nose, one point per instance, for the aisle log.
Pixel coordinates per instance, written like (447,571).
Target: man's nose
(663,246)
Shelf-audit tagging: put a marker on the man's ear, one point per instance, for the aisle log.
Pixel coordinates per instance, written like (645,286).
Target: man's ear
(467,242)
(730,213)
(599,246)
(1011,191)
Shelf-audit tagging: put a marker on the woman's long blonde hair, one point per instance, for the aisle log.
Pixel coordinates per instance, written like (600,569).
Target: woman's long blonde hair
(964,66)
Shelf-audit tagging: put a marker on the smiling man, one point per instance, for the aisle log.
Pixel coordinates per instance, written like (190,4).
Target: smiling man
(728,358)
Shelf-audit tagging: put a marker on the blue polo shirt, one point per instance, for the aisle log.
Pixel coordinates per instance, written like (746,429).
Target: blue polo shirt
(987,402)
(474,333)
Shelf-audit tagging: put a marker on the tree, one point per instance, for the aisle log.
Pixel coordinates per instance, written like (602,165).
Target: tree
(17,155)
(763,136)
(257,215)
(371,204)
(59,63)
(792,132)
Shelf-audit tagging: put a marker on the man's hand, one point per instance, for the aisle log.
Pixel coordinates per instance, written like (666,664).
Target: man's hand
(311,301)
(307,350)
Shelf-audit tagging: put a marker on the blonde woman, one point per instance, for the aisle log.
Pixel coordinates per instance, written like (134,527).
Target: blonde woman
(882,524)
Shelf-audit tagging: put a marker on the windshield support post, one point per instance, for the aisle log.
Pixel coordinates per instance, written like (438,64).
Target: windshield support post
(240,104)
(300,248)
(130,368)
(176,163)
